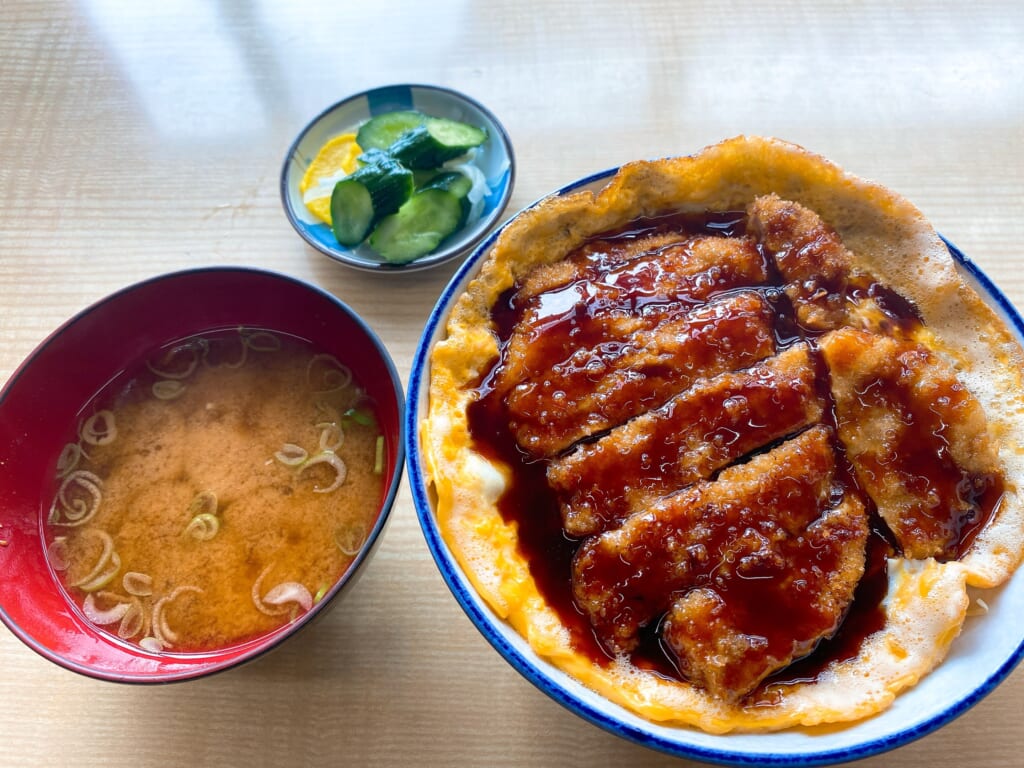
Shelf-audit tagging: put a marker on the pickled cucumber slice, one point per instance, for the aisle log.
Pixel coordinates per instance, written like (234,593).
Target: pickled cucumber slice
(457,184)
(418,227)
(351,211)
(382,131)
(369,194)
(435,142)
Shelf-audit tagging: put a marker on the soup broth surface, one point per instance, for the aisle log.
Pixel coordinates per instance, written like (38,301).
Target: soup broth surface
(217,492)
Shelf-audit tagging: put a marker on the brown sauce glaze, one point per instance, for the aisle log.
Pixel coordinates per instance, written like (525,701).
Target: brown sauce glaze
(598,386)
(710,425)
(864,617)
(730,537)
(912,431)
(604,254)
(533,506)
(530,503)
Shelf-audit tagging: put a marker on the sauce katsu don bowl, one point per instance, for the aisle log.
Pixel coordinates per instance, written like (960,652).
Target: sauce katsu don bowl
(192,470)
(722,452)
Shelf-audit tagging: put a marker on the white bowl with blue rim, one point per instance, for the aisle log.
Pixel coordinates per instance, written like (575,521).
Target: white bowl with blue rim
(494,158)
(983,655)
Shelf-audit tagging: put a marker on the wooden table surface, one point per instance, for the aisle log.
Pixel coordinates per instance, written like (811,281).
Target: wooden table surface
(138,138)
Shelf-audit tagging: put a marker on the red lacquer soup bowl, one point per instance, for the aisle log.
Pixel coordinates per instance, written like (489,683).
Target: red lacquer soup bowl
(42,401)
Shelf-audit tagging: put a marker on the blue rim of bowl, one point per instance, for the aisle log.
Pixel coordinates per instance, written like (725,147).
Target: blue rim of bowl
(258,647)
(432,259)
(530,670)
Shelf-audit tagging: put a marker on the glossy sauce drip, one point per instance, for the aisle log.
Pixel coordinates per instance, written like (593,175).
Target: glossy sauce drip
(530,503)
(696,433)
(729,537)
(902,316)
(943,502)
(724,223)
(606,262)
(505,315)
(864,617)
(599,387)
(607,298)
(984,494)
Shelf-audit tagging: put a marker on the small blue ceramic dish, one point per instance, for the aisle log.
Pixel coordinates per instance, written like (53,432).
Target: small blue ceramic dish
(494,159)
(983,655)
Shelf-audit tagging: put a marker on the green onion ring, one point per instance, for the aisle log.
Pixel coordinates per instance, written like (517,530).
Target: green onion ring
(332,368)
(204,501)
(105,557)
(133,622)
(237,364)
(138,584)
(104,578)
(334,461)
(378,457)
(151,644)
(168,389)
(331,436)
(161,631)
(76,510)
(103,617)
(350,537)
(292,455)
(258,601)
(100,428)
(203,527)
(260,341)
(68,459)
(57,553)
(169,356)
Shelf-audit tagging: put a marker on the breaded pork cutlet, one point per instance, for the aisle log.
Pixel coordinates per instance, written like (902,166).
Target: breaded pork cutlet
(588,260)
(722,261)
(794,593)
(602,321)
(916,437)
(810,258)
(596,388)
(694,434)
(761,537)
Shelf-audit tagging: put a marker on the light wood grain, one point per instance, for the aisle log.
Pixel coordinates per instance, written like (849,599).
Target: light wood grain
(140,138)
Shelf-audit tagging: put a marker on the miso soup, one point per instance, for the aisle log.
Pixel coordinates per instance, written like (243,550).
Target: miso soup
(217,492)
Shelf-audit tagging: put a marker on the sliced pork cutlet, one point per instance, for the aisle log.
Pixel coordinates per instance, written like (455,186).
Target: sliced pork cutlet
(595,389)
(754,523)
(697,432)
(810,258)
(791,591)
(916,437)
(569,338)
(596,256)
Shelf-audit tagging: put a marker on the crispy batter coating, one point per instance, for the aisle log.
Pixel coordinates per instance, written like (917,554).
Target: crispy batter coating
(620,339)
(697,432)
(598,388)
(610,254)
(804,248)
(809,256)
(727,643)
(917,438)
(760,537)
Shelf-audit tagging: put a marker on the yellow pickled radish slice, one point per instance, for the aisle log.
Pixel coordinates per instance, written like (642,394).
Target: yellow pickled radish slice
(335,160)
